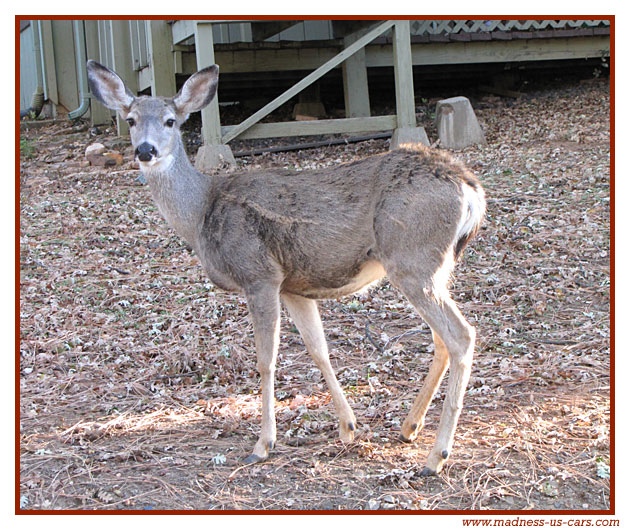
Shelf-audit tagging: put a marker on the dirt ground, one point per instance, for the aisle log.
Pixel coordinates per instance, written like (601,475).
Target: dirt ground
(138,387)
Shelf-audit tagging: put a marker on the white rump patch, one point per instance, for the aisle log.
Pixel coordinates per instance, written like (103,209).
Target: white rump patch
(473,210)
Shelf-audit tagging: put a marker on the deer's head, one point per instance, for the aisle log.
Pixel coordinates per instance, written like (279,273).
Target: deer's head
(154,122)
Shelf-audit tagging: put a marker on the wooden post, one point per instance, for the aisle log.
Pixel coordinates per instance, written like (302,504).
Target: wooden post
(355,81)
(406,130)
(403,75)
(161,58)
(212,153)
(204,50)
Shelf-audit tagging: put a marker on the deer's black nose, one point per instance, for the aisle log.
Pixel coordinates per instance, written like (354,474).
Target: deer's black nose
(145,152)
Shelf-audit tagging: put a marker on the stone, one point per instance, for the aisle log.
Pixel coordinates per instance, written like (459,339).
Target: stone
(94,149)
(315,109)
(457,124)
(112,159)
(408,135)
(373,504)
(97,156)
(302,117)
(210,157)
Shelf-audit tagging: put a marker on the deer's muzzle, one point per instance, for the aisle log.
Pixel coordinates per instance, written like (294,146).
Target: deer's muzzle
(145,152)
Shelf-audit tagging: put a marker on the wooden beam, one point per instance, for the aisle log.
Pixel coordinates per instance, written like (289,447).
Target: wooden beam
(496,51)
(183,30)
(264,29)
(314,127)
(343,28)
(355,80)
(379,55)
(403,75)
(204,50)
(312,77)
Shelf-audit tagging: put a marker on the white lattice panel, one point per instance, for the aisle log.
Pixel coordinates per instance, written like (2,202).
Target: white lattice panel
(437,27)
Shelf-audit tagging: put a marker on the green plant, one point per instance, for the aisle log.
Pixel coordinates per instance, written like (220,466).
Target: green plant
(27,147)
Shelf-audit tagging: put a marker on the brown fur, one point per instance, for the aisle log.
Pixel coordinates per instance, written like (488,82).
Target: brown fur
(320,230)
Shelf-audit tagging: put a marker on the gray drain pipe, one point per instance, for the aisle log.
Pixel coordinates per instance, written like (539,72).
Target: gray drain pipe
(79,42)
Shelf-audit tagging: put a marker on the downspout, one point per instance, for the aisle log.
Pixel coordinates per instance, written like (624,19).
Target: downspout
(79,41)
(37,100)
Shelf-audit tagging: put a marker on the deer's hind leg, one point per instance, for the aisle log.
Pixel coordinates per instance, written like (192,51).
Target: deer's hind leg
(306,317)
(415,419)
(454,345)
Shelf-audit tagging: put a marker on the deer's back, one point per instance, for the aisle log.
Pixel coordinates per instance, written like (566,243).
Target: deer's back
(325,229)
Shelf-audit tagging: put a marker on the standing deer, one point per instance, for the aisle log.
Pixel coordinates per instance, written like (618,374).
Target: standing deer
(275,235)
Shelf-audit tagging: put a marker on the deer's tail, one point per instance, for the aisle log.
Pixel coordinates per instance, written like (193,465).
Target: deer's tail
(473,213)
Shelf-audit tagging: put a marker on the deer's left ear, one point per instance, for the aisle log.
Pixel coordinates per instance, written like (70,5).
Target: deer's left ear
(198,91)
(108,88)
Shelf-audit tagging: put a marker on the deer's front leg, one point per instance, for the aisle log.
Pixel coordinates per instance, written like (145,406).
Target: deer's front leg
(264,309)
(305,315)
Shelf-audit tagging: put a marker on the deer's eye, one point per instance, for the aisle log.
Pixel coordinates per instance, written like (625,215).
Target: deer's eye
(131,122)
(170,122)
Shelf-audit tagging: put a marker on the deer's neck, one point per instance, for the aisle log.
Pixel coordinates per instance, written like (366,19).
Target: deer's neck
(180,192)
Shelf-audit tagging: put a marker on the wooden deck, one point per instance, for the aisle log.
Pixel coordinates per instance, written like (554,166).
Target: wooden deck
(150,54)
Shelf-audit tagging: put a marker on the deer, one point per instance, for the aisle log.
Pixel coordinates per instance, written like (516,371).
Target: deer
(280,237)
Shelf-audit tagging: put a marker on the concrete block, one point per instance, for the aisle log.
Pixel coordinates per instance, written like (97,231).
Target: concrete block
(408,135)
(457,124)
(309,108)
(212,156)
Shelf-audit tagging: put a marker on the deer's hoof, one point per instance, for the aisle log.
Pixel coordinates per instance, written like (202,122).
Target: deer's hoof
(427,472)
(347,431)
(254,459)
(411,432)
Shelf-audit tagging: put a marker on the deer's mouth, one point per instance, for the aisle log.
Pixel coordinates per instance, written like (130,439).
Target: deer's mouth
(156,163)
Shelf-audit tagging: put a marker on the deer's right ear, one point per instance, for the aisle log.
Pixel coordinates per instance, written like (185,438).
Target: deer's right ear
(197,91)
(108,88)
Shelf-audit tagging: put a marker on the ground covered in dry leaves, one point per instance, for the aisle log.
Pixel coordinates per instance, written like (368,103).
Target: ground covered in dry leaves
(137,377)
